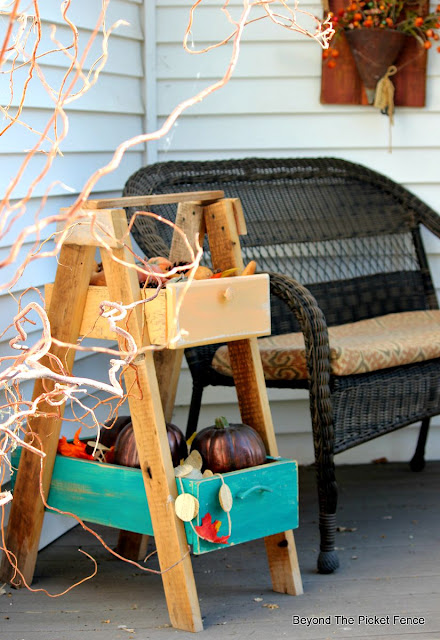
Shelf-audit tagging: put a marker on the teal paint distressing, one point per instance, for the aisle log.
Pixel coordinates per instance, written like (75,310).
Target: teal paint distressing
(265,498)
(265,501)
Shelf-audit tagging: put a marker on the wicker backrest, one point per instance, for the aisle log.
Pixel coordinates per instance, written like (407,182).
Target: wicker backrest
(348,233)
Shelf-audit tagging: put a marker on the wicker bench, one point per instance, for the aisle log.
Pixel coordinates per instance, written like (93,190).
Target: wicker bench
(343,244)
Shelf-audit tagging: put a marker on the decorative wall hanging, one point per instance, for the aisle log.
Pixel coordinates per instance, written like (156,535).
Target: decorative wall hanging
(371,39)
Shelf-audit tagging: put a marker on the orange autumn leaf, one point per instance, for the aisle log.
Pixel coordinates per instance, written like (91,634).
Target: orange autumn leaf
(75,449)
(208,530)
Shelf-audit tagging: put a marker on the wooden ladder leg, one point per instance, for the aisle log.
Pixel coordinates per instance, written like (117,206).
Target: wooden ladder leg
(224,242)
(152,444)
(27,509)
(168,362)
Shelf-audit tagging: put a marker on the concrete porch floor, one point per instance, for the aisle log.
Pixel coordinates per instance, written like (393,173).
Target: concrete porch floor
(390,566)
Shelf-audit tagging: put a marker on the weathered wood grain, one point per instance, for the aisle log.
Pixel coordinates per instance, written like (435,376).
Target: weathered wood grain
(249,381)
(153,449)
(27,510)
(148,200)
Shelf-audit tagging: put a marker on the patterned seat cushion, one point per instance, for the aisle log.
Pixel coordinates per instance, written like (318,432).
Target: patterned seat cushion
(358,347)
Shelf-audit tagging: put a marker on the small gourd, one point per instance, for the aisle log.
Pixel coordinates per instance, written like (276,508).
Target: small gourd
(227,447)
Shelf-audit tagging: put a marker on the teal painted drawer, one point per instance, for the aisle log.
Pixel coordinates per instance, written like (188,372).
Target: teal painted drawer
(265,498)
(265,501)
(100,493)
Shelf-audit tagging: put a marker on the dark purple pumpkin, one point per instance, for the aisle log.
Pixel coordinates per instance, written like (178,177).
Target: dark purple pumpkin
(228,447)
(126,452)
(109,433)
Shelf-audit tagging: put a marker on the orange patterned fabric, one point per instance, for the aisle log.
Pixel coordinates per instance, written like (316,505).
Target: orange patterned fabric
(358,347)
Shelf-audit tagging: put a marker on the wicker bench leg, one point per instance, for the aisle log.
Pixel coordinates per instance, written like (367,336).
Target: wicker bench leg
(328,560)
(328,496)
(418,460)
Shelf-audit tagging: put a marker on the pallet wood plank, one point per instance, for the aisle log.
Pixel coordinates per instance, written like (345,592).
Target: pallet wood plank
(148,200)
(168,363)
(153,449)
(93,228)
(27,510)
(249,381)
(189,219)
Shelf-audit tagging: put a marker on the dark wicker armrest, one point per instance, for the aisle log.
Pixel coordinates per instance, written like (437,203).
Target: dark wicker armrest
(313,325)
(310,318)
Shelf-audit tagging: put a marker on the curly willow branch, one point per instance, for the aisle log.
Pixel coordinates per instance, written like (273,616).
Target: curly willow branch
(21,50)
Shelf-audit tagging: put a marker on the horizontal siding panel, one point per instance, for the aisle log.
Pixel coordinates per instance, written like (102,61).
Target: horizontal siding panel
(243,96)
(396,447)
(282,131)
(295,59)
(431,242)
(73,170)
(37,273)
(53,205)
(211,25)
(284,60)
(104,136)
(428,192)
(124,55)
(81,15)
(119,94)
(434,262)
(102,364)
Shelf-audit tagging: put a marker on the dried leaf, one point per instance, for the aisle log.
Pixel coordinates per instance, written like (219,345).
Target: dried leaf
(344,529)
(208,530)
(190,440)
(258,599)
(271,606)
(182,470)
(75,449)
(195,460)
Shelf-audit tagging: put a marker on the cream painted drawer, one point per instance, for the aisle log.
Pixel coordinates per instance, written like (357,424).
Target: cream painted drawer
(209,311)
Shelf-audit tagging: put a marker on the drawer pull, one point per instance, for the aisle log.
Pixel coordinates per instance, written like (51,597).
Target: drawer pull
(258,487)
(228,294)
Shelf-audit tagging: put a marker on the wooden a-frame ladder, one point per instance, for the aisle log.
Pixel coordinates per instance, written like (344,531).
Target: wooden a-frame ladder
(150,402)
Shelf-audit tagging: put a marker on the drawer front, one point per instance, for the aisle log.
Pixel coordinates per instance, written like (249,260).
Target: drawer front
(100,493)
(206,312)
(265,501)
(217,310)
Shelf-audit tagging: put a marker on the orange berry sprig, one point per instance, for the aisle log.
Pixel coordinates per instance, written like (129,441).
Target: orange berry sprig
(383,14)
